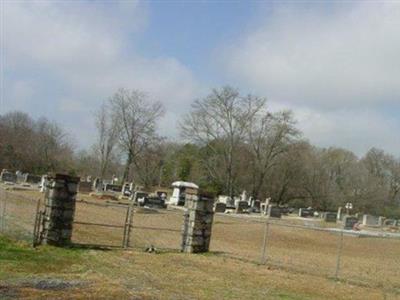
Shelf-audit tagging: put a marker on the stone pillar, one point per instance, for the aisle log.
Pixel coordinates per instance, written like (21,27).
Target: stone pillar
(60,209)
(198,219)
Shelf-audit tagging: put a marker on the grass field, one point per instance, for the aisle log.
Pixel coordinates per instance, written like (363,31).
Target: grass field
(54,273)
(301,262)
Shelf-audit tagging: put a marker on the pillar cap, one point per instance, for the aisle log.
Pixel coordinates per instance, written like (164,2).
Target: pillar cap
(64,177)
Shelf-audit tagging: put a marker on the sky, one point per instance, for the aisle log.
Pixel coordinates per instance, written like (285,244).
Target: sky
(336,65)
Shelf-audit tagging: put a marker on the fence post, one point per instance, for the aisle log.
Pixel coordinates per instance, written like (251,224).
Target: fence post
(60,200)
(197,223)
(36,227)
(126,227)
(264,246)
(3,212)
(339,254)
(130,221)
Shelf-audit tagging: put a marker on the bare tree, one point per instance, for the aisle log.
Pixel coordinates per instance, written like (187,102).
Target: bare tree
(219,123)
(269,136)
(136,118)
(33,146)
(107,137)
(149,163)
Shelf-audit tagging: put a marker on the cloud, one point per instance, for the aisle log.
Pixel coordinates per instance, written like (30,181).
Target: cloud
(77,55)
(338,64)
(358,130)
(344,58)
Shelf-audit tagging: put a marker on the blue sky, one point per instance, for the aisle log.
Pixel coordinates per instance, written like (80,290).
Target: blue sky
(336,65)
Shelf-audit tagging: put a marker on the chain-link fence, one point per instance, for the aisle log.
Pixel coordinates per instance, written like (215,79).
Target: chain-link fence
(17,214)
(305,247)
(102,224)
(123,225)
(96,223)
(159,228)
(330,252)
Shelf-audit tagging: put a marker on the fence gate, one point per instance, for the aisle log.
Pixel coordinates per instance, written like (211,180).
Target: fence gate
(158,228)
(102,224)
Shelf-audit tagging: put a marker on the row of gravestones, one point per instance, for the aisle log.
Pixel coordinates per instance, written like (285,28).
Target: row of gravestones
(10,177)
(373,221)
(331,217)
(89,186)
(243,206)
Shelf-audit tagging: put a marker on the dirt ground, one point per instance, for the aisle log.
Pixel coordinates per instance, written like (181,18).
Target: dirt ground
(296,257)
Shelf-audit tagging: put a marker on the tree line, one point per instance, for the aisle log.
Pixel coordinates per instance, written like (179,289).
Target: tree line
(230,142)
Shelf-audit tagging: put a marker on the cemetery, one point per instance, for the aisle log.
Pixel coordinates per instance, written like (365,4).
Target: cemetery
(246,207)
(206,226)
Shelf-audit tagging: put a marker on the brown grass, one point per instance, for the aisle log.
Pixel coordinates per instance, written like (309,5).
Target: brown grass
(369,266)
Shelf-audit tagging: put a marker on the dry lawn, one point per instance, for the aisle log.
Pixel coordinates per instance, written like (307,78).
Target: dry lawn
(300,265)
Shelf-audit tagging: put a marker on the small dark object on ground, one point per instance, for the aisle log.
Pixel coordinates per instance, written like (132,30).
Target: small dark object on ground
(151,249)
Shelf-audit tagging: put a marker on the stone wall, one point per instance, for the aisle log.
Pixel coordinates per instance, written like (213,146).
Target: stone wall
(197,225)
(59,213)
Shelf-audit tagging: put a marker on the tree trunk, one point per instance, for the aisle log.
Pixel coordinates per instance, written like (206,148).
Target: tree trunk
(129,161)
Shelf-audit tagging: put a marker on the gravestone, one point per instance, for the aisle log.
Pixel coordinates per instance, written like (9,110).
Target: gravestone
(220,207)
(20,176)
(155,201)
(43,183)
(381,220)
(339,214)
(7,176)
(255,208)
(242,206)
(243,196)
(369,220)
(359,216)
(230,203)
(330,217)
(274,212)
(197,225)
(251,202)
(390,222)
(85,187)
(59,213)
(127,189)
(264,208)
(112,187)
(97,185)
(30,178)
(349,222)
(306,212)
(257,204)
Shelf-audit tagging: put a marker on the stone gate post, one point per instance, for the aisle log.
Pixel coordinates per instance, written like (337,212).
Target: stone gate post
(59,212)
(198,220)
